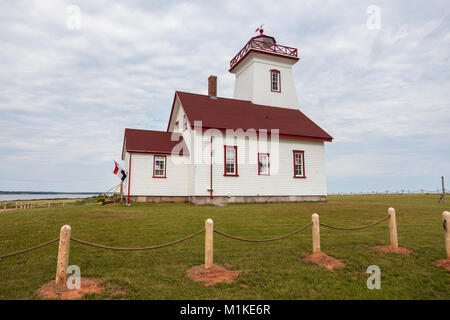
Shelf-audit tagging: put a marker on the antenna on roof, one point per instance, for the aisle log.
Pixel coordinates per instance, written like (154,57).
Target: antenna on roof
(260,29)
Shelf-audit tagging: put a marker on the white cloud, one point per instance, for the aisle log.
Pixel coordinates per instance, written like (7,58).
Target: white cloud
(66,95)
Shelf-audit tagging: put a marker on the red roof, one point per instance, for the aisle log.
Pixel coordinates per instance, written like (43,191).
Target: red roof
(223,113)
(149,141)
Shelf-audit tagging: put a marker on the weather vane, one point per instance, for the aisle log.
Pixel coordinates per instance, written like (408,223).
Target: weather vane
(260,29)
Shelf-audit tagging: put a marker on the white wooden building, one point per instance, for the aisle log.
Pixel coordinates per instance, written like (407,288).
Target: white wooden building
(256,147)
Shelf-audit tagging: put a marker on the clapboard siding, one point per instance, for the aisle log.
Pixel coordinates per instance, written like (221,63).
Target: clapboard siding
(280,182)
(142,182)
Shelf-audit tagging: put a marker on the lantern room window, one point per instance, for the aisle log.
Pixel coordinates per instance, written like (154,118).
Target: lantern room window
(275,80)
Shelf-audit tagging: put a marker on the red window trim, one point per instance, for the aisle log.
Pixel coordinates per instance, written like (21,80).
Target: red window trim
(272,71)
(165,165)
(303,164)
(225,161)
(268,165)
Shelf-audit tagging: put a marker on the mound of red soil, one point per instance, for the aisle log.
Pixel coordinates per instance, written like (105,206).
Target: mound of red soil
(324,260)
(51,291)
(385,249)
(443,263)
(213,275)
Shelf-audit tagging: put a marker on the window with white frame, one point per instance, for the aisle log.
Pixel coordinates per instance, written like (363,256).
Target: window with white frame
(263,164)
(275,81)
(177,126)
(159,167)
(299,164)
(230,161)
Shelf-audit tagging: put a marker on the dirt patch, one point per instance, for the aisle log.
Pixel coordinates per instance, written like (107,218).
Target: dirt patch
(213,275)
(324,260)
(386,249)
(88,286)
(443,263)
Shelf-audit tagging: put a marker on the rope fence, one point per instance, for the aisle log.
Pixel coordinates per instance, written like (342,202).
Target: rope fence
(137,249)
(355,228)
(264,240)
(65,239)
(29,249)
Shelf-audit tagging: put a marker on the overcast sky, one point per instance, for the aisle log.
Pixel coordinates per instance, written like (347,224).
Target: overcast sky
(67,93)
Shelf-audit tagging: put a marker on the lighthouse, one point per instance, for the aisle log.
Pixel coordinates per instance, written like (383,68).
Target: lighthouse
(263,71)
(290,166)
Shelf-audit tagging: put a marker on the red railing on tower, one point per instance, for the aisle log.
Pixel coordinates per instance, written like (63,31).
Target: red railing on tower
(263,46)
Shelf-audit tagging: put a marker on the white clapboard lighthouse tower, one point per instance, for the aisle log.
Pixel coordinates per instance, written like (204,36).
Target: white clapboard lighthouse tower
(264,74)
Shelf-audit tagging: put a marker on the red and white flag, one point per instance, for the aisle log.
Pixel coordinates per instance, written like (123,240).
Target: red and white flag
(119,172)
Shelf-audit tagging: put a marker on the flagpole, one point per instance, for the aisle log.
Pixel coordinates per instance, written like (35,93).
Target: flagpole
(121,192)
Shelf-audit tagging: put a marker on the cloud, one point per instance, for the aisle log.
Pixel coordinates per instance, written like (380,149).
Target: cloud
(67,95)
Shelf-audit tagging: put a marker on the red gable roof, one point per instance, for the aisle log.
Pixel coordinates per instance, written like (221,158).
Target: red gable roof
(223,113)
(149,141)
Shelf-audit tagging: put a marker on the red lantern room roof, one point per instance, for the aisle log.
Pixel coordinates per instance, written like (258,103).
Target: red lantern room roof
(265,45)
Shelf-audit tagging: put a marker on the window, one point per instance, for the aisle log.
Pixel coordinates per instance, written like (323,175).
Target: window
(230,165)
(177,125)
(184,123)
(275,80)
(299,164)
(159,166)
(263,164)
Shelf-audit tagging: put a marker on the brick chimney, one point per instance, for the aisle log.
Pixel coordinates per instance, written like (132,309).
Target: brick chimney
(212,86)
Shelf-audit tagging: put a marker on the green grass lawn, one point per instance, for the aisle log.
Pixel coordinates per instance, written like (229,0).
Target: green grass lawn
(275,270)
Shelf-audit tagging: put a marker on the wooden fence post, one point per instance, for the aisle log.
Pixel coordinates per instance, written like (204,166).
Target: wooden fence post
(63,203)
(446,224)
(49,204)
(209,231)
(63,255)
(393,228)
(315,233)
(4,206)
